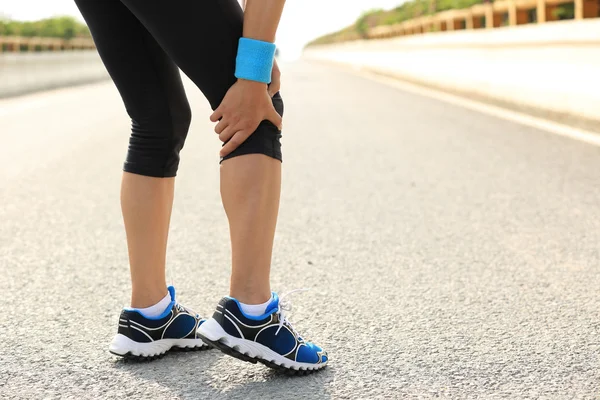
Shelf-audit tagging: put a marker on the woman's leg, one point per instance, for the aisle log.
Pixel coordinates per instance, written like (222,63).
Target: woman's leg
(202,37)
(152,91)
(250,187)
(146,203)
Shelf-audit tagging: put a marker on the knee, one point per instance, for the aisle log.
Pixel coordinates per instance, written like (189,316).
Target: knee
(181,118)
(156,141)
(265,140)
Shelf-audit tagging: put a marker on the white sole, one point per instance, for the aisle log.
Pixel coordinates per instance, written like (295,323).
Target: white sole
(212,331)
(121,345)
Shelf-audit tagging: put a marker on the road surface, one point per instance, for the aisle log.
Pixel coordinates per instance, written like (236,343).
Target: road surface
(450,254)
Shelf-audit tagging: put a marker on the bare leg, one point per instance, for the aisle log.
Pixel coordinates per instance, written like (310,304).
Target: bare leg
(250,189)
(146,203)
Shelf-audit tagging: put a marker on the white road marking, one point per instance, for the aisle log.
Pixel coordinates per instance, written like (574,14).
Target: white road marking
(556,128)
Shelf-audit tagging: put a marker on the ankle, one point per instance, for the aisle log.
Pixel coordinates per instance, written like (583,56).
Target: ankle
(147,297)
(251,297)
(256,310)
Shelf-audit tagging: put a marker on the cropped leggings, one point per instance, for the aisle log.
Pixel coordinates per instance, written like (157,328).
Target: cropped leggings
(143,44)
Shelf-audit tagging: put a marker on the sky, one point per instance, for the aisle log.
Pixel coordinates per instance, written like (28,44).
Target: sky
(302,20)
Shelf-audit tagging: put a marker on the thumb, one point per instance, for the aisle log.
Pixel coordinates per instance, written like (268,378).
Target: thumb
(275,118)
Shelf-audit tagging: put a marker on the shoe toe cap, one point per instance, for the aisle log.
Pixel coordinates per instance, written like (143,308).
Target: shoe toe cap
(311,353)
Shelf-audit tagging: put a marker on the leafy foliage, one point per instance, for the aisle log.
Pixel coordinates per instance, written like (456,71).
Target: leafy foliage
(565,11)
(367,21)
(406,11)
(60,27)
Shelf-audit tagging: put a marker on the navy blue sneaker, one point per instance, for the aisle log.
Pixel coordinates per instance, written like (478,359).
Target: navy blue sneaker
(140,337)
(270,339)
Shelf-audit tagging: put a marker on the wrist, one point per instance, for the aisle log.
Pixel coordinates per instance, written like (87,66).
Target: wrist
(254,61)
(252,84)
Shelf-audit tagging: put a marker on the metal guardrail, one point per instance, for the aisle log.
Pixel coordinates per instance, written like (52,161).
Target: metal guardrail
(20,43)
(489,15)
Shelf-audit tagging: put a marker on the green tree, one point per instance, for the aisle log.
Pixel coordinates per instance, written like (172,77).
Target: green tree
(406,11)
(565,11)
(60,27)
(367,21)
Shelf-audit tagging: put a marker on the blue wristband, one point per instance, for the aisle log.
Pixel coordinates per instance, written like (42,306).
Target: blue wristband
(254,60)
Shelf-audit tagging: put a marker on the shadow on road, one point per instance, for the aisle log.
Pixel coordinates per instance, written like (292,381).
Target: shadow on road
(199,375)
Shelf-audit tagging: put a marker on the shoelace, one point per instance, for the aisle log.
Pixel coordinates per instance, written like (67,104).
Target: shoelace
(286,306)
(187,310)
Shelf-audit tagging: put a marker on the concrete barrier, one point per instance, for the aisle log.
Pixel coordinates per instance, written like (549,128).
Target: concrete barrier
(28,72)
(550,67)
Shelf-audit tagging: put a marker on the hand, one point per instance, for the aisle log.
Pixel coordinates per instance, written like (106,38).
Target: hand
(275,84)
(245,105)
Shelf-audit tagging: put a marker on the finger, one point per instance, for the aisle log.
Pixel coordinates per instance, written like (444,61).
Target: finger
(217,114)
(237,139)
(275,118)
(221,126)
(228,133)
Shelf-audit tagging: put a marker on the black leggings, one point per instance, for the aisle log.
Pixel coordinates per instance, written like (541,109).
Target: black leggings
(142,43)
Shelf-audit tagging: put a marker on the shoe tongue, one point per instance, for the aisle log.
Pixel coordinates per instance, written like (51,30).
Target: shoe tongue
(171,290)
(273,304)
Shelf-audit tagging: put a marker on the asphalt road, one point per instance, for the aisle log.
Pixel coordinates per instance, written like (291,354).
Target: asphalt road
(450,254)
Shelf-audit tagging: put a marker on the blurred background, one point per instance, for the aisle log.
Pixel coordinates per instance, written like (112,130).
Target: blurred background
(440,195)
(538,55)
